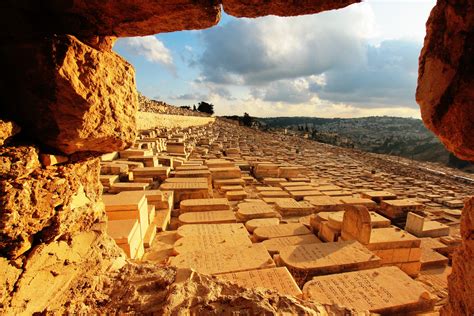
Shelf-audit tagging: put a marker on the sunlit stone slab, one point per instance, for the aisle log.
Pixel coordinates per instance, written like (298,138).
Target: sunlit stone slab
(225,260)
(274,245)
(210,242)
(247,211)
(253,224)
(327,258)
(278,279)
(386,290)
(203,229)
(210,217)
(282,230)
(200,205)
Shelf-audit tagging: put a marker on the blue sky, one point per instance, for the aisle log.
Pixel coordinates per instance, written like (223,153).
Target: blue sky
(352,62)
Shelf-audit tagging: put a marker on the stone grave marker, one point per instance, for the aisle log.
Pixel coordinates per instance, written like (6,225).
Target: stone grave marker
(210,217)
(327,258)
(225,260)
(385,290)
(274,245)
(282,230)
(277,279)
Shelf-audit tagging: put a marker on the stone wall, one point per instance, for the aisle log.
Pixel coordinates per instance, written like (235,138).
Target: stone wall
(146,120)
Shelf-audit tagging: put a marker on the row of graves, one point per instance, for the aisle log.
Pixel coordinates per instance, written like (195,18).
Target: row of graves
(279,212)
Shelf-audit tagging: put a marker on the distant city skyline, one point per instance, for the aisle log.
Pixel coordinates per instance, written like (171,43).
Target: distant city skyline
(358,61)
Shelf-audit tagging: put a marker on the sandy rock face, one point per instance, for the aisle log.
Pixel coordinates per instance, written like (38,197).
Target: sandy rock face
(446,76)
(256,8)
(54,275)
(77,97)
(461,280)
(42,205)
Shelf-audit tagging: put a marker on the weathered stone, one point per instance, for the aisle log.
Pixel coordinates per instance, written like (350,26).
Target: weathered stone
(445,90)
(85,98)
(7,130)
(54,273)
(18,162)
(461,280)
(256,8)
(87,18)
(48,204)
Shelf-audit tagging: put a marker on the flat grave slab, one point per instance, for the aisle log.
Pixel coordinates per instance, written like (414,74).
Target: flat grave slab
(385,290)
(253,224)
(201,205)
(282,230)
(210,217)
(217,229)
(274,245)
(210,242)
(277,279)
(328,258)
(325,203)
(247,211)
(225,260)
(291,207)
(378,196)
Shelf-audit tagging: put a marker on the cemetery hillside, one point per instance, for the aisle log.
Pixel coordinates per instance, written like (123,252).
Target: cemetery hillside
(114,203)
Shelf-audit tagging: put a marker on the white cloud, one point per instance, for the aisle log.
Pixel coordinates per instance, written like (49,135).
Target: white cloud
(149,47)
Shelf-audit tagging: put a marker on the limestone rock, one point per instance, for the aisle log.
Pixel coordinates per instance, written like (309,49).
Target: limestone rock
(461,280)
(7,130)
(77,97)
(55,274)
(48,204)
(256,8)
(445,90)
(107,17)
(18,162)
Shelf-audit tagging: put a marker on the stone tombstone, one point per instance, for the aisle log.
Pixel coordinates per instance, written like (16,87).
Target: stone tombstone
(356,224)
(225,260)
(278,279)
(385,290)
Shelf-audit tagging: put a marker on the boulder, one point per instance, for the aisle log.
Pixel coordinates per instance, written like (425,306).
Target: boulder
(77,98)
(445,90)
(256,8)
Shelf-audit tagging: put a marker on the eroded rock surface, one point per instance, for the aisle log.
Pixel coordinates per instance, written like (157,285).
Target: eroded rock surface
(461,280)
(54,274)
(7,130)
(446,76)
(256,8)
(107,17)
(77,97)
(41,205)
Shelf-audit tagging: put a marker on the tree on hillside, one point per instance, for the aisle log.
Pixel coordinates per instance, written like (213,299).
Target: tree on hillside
(205,107)
(186,107)
(194,107)
(247,120)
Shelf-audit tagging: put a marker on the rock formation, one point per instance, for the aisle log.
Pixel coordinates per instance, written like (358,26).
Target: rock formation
(256,8)
(446,76)
(446,96)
